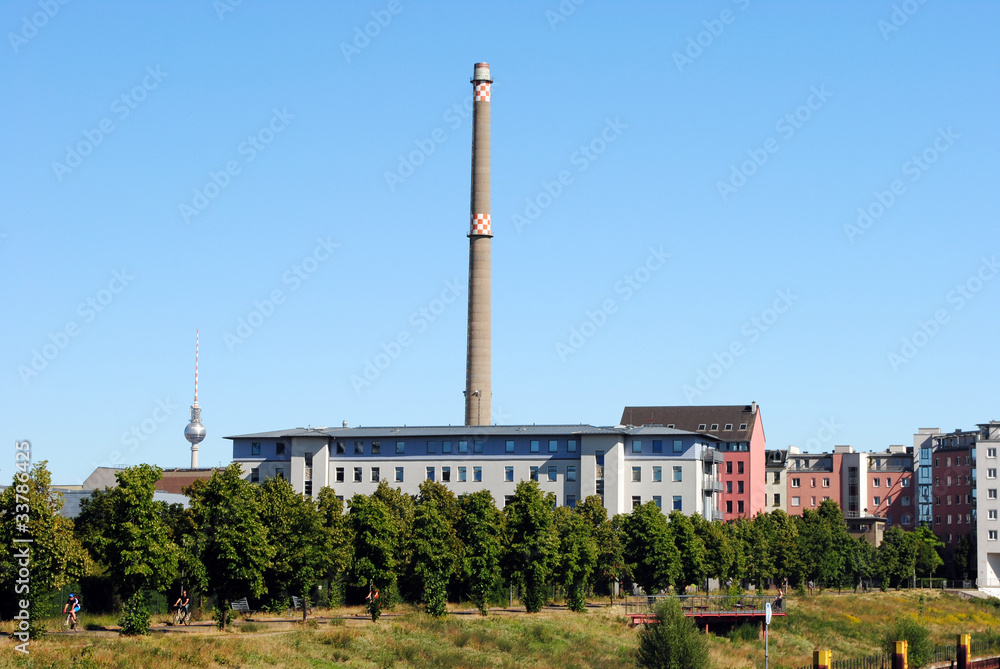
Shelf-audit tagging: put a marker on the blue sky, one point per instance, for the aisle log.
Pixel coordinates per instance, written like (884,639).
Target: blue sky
(675,201)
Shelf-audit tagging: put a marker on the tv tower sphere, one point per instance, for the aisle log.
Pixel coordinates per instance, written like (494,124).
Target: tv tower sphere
(195,431)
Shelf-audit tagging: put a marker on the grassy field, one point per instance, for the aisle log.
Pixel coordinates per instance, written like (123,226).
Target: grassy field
(849,625)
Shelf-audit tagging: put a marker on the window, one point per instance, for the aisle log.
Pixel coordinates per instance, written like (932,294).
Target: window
(340,474)
(904,482)
(728,426)
(359,448)
(658,501)
(992,535)
(906,500)
(937,500)
(399,474)
(509,446)
(254,448)
(796,501)
(739,487)
(463,447)
(670,425)
(812,482)
(991,452)
(508,473)
(446,447)
(571,501)
(357,474)
(657,445)
(948,519)
(341,448)
(533,473)
(599,458)
(947,462)
(279,448)
(937,462)
(813,501)
(279,473)
(875,483)
(400,447)
(477,446)
(991,493)
(888,483)
(637,446)
(553,445)
(777,477)
(739,507)
(636,474)
(534,445)
(795,483)
(729,467)
(947,500)
(701,426)
(743,426)
(461,474)
(477,474)
(657,474)
(678,504)
(991,473)
(446,475)
(678,473)
(255,475)
(430,473)
(552,472)
(571,448)
(715,426)
(431,447)
(570,472)
(992,514)
(376,448)
(729,507)
(739,467)
(906,520)
(878,500)
(729,487)
(507,499)
(678,445)
(375,475)
(826,483)
(937,520)
(636,502)
(777,499)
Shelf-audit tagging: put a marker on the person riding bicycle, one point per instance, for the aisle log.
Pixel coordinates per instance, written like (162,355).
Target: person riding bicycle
(72,605)
(183,602)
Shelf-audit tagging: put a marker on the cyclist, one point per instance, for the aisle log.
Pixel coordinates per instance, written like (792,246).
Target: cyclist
(72,605)
(183,602)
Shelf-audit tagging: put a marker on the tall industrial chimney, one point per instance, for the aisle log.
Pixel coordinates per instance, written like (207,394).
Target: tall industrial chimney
(477,362)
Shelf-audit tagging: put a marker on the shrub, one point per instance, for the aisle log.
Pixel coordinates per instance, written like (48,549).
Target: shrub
(135,616)
(745,632)
(920,648)
(673,642)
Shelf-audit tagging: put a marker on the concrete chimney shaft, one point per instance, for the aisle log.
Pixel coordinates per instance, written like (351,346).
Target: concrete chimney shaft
(478,391)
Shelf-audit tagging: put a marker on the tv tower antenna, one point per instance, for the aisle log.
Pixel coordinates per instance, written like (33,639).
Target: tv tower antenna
(195,431)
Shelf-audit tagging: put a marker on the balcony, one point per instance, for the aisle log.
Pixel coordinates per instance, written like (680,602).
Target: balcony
(718,515)
(711,484)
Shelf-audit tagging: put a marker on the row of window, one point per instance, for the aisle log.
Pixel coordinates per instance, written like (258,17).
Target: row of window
(461,446)
(729,506)
(677,503)
(948,499)
(797,501)
(678,474)
(715,426)
(958,479)
(958,518)
(958,460)
(657,446)
(739,467)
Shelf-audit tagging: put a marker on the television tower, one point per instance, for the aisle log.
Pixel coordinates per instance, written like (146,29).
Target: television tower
(478,393)
(195,431)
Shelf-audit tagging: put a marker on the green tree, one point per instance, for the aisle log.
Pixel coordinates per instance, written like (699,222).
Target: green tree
(611,565)
(338,538)
(920,647)
(434,551)
(720,555)
(232,545)
(650,552)
(295,530)
(692,549)
(481,530)
(787,558)
(576,557)
(29,509)
(533,541)
(401,509)
(674,642)
(375,538)
(929,548)
(135,544)
(897,557)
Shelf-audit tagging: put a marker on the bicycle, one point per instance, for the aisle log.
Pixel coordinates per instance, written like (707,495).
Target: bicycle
(70,622)
(182,616)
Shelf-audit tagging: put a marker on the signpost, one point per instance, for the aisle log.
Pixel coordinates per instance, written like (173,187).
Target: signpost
(767,623)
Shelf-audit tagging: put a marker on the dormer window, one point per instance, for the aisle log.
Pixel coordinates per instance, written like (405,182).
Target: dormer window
(715,426)
(743,426)
(701,426)
(728,426)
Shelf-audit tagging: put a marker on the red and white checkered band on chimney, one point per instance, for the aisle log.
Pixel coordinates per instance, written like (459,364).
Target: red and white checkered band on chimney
(481,224)
(482,92)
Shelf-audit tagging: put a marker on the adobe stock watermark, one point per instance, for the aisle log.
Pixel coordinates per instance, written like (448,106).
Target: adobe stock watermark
(630,284)
(122,107)
(915,167)
(407,164)
(30,25)
(418,322)
(22,545)
(787,125)
(223,7)
(87,310)
(900,15)
(293,278)
(585,156)
(750,332)
(138,433)
(703,39)
(249,148)
(381,18)
(562,12)
(958,297)
(829,428)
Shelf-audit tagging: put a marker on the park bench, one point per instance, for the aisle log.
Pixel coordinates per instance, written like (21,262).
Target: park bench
(298,603)
(642,619)
(242,606)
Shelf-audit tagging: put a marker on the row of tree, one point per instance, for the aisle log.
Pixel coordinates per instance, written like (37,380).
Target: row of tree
(268,542)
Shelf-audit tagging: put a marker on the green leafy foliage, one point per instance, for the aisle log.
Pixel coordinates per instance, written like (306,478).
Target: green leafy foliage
(576,557)
(375,536)
(435,545)
(673,642)
(480,529)
(135,615)
(532,542)
(920,647)
(652,556)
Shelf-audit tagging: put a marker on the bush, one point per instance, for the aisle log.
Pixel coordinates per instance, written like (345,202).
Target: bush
(217,615)
(135,616)
(745,632)
(920,648)
(673,642)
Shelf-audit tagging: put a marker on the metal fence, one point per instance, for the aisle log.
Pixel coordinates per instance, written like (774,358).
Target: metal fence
(707,604)
(941,653)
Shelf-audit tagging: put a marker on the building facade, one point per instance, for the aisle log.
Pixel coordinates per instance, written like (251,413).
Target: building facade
(985,516)
(624,466)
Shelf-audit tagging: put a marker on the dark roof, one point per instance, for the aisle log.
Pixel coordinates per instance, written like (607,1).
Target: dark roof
(457,431)
(692,418)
